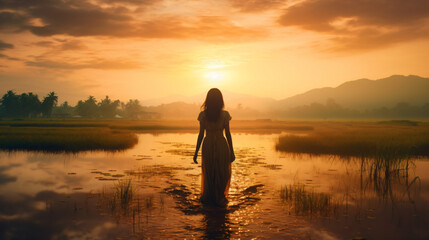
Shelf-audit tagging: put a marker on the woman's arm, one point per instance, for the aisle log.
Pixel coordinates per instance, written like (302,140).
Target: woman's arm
(199,141)
(229,139)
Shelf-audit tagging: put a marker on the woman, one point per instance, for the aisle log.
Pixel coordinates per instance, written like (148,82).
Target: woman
(217,153)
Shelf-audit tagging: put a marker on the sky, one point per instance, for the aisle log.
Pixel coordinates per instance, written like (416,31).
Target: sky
(145,49)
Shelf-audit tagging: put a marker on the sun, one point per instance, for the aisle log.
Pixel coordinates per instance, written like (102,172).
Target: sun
(215,71)
(214,76)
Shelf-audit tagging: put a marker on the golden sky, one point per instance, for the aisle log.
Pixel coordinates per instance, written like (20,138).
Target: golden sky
(155,48)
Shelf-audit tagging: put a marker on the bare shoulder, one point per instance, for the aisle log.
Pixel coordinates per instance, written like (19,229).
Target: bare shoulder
(226,115)
(201,116)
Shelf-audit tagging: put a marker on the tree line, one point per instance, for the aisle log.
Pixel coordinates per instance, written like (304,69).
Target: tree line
(333,110)
(28,105)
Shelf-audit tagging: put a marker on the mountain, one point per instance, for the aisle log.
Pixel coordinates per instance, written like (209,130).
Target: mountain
(232,100)
(365,94)
(362,98)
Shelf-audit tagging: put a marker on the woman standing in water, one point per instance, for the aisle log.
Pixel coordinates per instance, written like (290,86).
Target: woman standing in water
(217,153)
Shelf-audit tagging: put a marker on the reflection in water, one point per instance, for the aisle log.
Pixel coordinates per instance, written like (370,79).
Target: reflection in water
(216,223)
(81,196)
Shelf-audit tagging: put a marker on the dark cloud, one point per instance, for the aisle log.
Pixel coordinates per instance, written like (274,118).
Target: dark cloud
(44,43)
(118,64)
(12,22)
(132,2)
(360,24)
(81,18)
(253,6)
(4,45)
(73,45)
(9,58)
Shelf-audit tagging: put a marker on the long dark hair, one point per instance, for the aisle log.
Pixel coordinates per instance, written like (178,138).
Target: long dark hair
(213,104)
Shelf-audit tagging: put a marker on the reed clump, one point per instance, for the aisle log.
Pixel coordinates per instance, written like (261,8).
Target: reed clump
(304,202)
(124,192)
(120,196)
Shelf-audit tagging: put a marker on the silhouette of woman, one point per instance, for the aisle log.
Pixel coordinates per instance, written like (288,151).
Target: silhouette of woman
(217,153)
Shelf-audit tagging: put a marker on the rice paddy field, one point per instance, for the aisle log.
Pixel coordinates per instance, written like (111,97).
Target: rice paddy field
(134,179)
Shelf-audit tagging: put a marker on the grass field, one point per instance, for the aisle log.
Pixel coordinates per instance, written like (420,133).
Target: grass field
(344,138)
(259,126)
(394,139)
(65,139)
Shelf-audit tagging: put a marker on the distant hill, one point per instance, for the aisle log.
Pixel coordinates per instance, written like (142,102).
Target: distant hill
(393,97)
(232,100)
(365,94)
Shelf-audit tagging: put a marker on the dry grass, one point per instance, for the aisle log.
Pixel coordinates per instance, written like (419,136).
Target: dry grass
(303,202)
(360,140)
(260,126)
(65,139)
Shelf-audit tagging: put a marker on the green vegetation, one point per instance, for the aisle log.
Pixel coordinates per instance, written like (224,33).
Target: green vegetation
(122,195)
(65,139)
(371,140)
(303,202)
(28,105)
(124,192)
(384,151)
(400,122)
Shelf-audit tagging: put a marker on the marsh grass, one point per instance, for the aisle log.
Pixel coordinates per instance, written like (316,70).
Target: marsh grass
(304,202)
(121,196)
(65,139)
(124,202)
(125,192)
(158,124)
(385,153)
(360,140)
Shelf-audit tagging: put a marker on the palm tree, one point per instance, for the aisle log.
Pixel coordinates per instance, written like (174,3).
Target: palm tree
(48,104)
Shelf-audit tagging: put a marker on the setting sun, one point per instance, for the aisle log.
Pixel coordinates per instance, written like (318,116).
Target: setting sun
(231,119)
(214,76)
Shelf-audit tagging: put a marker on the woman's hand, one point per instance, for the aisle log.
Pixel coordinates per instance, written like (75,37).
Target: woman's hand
(232,157)
(195,158)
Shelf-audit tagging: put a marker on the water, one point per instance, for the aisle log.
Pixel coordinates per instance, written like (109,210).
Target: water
(59,196)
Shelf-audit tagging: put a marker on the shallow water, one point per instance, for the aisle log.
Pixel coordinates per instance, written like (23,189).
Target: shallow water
(60,196)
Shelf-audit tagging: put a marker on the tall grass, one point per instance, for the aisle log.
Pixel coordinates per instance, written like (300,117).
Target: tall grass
(65,139)
(385,151)
(354,140)
(303,202)
(158,124)
(121,195)
(124,192)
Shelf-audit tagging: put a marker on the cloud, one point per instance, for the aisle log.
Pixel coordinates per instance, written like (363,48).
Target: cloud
(132,2)
(116,64)
(361,24)
(4,45)
(12,22)
(9,58)
(44,43)
(72,45)
(254,6)
(81,18)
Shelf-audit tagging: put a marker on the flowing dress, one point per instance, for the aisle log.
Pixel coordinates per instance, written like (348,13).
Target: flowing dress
(216,161)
